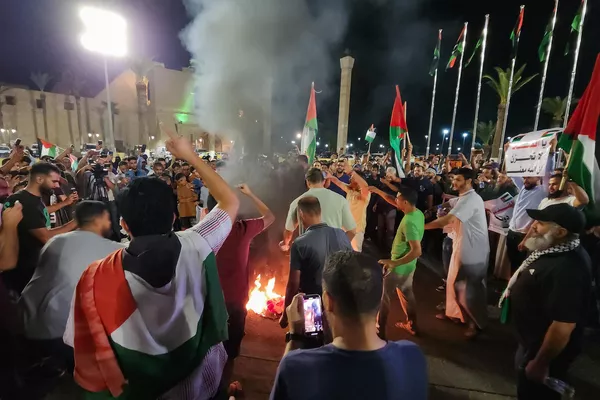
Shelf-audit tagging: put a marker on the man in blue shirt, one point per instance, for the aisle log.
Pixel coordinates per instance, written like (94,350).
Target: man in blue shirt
(135,167)
(358,364)
(342,176)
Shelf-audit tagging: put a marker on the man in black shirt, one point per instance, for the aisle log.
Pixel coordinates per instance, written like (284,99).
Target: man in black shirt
(549,299)
(34,229)
(423,187)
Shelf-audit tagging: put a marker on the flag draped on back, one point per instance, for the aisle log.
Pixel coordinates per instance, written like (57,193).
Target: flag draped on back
(579,139)
(47,148)
(398,129)
(309,135)
(457,50)
(516,33)
(575,28)
(436,55)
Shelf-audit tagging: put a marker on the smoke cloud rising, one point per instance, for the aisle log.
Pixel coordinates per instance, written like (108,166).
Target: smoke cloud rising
(239,46)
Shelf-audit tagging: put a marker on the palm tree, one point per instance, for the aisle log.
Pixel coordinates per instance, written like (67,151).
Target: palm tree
(556,106)
(141,67)
(485,132)
(500,86)
(41,80)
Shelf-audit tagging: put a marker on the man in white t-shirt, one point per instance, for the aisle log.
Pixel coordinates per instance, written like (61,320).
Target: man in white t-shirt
(573,194)
(466,295)
(335,210)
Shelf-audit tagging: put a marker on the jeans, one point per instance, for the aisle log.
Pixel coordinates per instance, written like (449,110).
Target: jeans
(515,256)
(402,286)
(385,229)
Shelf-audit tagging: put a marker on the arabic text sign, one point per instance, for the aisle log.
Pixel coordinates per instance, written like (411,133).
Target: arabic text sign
(527,155)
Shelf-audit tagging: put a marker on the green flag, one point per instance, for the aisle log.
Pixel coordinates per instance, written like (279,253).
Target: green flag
(457,50)
(436,55)
(516,34)
(543,49)
(575,27)
(477,46)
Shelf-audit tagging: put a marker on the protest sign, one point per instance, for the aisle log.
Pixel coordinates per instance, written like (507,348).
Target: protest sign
(501,211)
(527,154)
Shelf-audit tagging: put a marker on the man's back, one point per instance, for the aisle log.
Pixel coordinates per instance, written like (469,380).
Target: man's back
(309,251)
(45,301)
(396,371)
(335,210)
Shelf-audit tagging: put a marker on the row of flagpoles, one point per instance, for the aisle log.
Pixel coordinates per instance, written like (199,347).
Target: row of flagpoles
(544,53)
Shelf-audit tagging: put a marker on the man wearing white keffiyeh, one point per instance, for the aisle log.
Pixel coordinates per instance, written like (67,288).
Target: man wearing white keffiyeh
(548,298)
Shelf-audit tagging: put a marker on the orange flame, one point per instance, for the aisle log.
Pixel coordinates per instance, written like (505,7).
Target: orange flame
(258,301)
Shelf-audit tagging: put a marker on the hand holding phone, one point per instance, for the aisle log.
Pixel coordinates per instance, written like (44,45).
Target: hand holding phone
(313,314)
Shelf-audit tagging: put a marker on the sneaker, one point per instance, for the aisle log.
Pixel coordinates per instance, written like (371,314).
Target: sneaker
(407,326)
(472,332)
(441,306)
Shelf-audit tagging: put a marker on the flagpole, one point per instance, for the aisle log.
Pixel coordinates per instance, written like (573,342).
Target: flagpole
(405,136)
(575,60)
(545,72)
(460,65)
(483,46)
(510,84)
(435,76)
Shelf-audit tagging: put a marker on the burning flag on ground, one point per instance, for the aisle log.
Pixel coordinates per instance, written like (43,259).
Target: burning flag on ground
(47,148)
(579,140)
(370,136)
(398,130)
(266,302)
(309,136)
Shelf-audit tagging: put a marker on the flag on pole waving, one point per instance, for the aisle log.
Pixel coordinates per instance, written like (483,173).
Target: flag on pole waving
(370,136)
(516,33)
(47,148)
(543,49)
(309,135)
(457,50)
(477,46)
(575,28)
(436,55)
(398,129)
(579,139)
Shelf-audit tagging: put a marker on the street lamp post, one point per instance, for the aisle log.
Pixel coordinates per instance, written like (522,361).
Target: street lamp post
(444,133)
(108,42)
(464,139)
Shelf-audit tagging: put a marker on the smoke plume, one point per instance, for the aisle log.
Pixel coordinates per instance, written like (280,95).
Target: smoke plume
(240,46)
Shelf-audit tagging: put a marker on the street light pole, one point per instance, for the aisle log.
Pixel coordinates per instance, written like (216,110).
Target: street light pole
(111,139)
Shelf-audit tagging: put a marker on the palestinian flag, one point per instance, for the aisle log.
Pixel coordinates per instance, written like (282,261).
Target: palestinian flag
(47,149)
(547,39)
(370,136)
(457,50)
(398,130)
(74,162)
(579,140)
(436,55)
(477,46)
(516,33)
(575,27)
(135,338)
(309,135)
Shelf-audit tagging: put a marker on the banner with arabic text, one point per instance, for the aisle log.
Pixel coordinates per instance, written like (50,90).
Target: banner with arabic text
(527,154)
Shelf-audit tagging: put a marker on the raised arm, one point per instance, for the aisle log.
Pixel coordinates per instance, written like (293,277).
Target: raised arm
(267,216)
(9,239)
(383,195)
(225,197)
(15,157)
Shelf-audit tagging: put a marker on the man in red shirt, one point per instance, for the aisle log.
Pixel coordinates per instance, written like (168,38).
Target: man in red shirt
(232,263)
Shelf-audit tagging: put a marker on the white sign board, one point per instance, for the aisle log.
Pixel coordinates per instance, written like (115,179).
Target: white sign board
(527,154)
(501,211)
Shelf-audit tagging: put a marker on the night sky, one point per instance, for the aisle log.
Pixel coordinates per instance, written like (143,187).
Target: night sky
(392,44)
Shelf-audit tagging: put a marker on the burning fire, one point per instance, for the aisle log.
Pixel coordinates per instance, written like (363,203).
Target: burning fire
(264,302)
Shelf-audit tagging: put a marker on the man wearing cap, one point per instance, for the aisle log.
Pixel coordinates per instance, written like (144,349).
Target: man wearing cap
(549,297)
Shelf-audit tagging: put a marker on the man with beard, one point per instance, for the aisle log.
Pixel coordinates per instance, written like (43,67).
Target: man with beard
(422,186)
(549,299)
(341,176)
(46,300)
(572,194)
(531,194)
(34,229)
(466,298)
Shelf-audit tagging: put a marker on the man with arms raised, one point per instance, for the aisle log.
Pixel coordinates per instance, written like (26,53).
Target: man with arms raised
(335,210)
(549,299)
(148,321)
(358,364)
(466,293)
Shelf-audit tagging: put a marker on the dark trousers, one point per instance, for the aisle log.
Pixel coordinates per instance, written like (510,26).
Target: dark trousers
(528,390)
(515,256)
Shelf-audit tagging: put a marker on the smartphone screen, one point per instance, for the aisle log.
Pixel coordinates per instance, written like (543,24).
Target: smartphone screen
(313,314)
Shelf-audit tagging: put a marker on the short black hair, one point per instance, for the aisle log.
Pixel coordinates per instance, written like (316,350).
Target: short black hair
(465,172)
(179,176)
(309,205)
(123,163)
(557,176)
(131,158)
(409,194)
(157,164)
(160,159)
(314,175)
(355,281)
(147,206)
(26,159)
(42,168)
(185,164)
(87,211)
(303,158)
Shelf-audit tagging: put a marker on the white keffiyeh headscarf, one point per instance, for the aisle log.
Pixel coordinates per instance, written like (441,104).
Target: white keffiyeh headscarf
(559,248)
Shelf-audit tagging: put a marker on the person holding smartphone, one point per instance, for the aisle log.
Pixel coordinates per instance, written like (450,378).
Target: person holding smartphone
(357,364)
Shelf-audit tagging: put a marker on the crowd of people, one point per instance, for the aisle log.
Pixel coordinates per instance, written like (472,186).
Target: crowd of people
(133,275)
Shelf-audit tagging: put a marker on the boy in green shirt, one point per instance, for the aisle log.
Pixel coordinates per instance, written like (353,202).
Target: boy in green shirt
(406,249)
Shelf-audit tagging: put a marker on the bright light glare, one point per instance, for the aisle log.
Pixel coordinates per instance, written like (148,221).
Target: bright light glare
(89,135)
(293,142)
(298,136)
(446,131)
(2,130)
(381,146)
(105,32)
(458,149)
(326,145)
(318,143)
(465,134)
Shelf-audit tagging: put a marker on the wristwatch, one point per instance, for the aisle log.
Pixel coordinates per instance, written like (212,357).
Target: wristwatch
(293,336)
